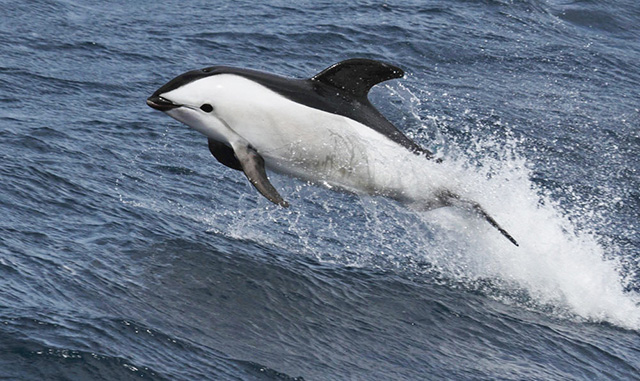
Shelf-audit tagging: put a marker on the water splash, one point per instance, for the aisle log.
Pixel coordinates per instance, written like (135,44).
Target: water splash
(561,262)
(557,264)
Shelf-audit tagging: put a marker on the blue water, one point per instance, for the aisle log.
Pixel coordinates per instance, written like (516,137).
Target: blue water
(128,252)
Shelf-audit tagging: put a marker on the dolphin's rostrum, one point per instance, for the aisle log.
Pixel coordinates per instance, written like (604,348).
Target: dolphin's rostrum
(321,129)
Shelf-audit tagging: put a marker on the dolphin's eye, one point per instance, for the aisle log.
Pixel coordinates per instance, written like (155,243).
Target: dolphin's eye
(206,107)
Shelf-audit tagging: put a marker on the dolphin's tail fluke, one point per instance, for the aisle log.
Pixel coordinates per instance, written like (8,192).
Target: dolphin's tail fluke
(478,209)
(448,198)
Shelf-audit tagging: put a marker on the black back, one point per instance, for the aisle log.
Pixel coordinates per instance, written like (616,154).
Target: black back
(340,89)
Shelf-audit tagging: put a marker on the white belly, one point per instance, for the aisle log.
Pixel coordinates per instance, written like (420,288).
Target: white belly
(330,149)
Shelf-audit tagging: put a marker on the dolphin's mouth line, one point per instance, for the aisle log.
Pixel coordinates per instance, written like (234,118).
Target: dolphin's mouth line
(159,103)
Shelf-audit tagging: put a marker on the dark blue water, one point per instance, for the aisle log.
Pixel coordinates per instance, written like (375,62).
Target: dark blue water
(128,252)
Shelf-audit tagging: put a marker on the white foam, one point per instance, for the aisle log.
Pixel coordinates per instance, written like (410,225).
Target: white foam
(557,263)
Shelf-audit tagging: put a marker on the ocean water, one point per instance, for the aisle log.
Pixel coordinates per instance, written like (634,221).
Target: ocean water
(128,252)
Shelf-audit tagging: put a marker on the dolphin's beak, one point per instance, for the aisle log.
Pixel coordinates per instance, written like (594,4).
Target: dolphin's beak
(160,103)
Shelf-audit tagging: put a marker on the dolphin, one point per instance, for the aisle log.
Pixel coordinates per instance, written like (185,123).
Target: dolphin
(321,129)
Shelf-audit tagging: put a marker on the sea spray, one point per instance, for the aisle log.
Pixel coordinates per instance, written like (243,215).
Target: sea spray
(562,261)
(557,264)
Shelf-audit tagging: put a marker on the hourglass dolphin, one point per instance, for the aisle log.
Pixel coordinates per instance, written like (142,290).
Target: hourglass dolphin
(321,129)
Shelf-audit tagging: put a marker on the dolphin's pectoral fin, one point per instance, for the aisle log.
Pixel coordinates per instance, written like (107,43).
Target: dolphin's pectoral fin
(224,154)
(253,167)
(451,199)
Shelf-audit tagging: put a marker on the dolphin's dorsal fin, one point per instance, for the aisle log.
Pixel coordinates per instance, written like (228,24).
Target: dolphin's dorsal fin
(358,75)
